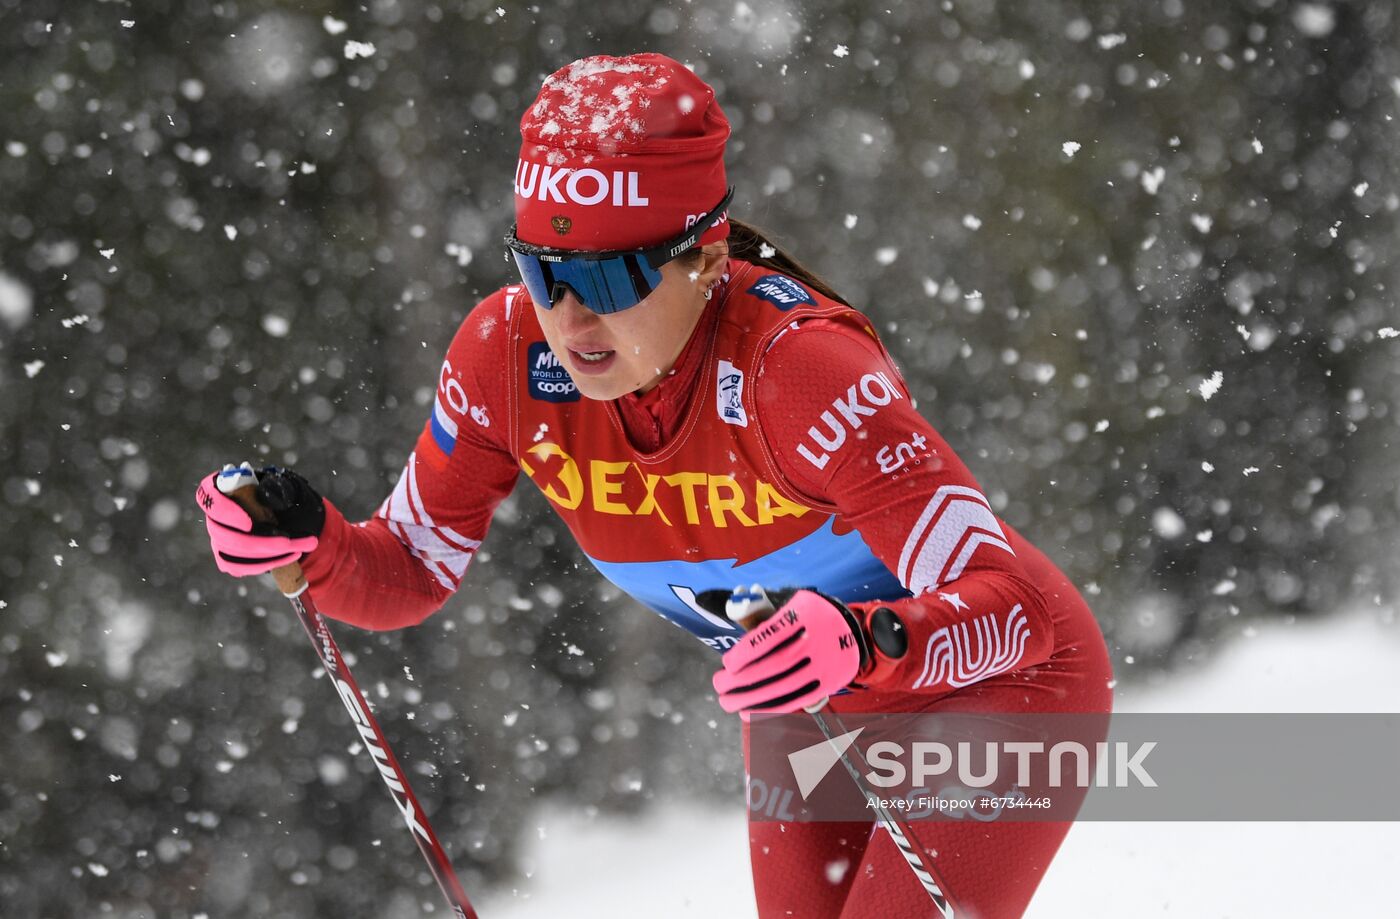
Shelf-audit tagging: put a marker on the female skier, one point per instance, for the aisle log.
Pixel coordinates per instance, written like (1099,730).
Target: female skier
(704,412)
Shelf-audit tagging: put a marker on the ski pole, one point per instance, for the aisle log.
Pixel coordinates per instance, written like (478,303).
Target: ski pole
(898,828)
(292,582)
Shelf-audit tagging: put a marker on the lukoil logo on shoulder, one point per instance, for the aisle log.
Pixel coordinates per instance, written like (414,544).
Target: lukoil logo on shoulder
(549,381)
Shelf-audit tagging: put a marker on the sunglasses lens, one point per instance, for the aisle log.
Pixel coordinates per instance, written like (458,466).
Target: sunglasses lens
(607,285)
(538,282)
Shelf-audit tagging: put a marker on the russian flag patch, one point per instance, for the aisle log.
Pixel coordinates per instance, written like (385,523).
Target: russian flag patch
(444,427)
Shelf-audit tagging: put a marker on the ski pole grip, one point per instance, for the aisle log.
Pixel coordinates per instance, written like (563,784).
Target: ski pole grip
(749,623)
(290,579)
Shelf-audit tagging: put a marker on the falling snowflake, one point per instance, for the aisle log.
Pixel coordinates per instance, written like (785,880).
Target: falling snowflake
(354,49)
(1314,20)
(461,252)
(1167,523)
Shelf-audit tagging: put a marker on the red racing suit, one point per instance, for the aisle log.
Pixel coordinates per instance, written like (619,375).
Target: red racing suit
(784,449)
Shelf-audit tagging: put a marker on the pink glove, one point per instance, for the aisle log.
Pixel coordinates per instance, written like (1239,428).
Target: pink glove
(241,547)
(811,647)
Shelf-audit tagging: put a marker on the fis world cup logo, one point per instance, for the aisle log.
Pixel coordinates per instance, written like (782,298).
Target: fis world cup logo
(781,291)
(549,381)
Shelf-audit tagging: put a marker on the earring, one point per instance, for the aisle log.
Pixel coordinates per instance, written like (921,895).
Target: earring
(709,292)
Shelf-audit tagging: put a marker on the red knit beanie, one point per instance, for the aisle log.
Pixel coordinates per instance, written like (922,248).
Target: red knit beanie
(620,153)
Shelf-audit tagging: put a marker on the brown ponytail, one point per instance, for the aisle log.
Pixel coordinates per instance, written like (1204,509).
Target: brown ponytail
(751,244)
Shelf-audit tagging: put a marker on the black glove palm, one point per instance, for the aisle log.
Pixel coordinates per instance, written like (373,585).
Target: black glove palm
(299,508)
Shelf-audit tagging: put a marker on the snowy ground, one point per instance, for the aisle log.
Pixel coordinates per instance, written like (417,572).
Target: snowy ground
(653,866)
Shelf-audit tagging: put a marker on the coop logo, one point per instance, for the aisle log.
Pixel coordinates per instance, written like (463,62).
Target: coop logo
(549,381)
(585,187)
(729,395)
(781,291)
(845,415)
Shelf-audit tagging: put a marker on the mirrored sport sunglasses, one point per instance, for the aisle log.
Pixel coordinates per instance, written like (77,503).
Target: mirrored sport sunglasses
(605,282)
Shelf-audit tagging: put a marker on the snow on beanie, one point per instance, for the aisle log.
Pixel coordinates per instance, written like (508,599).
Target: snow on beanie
(620,153)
